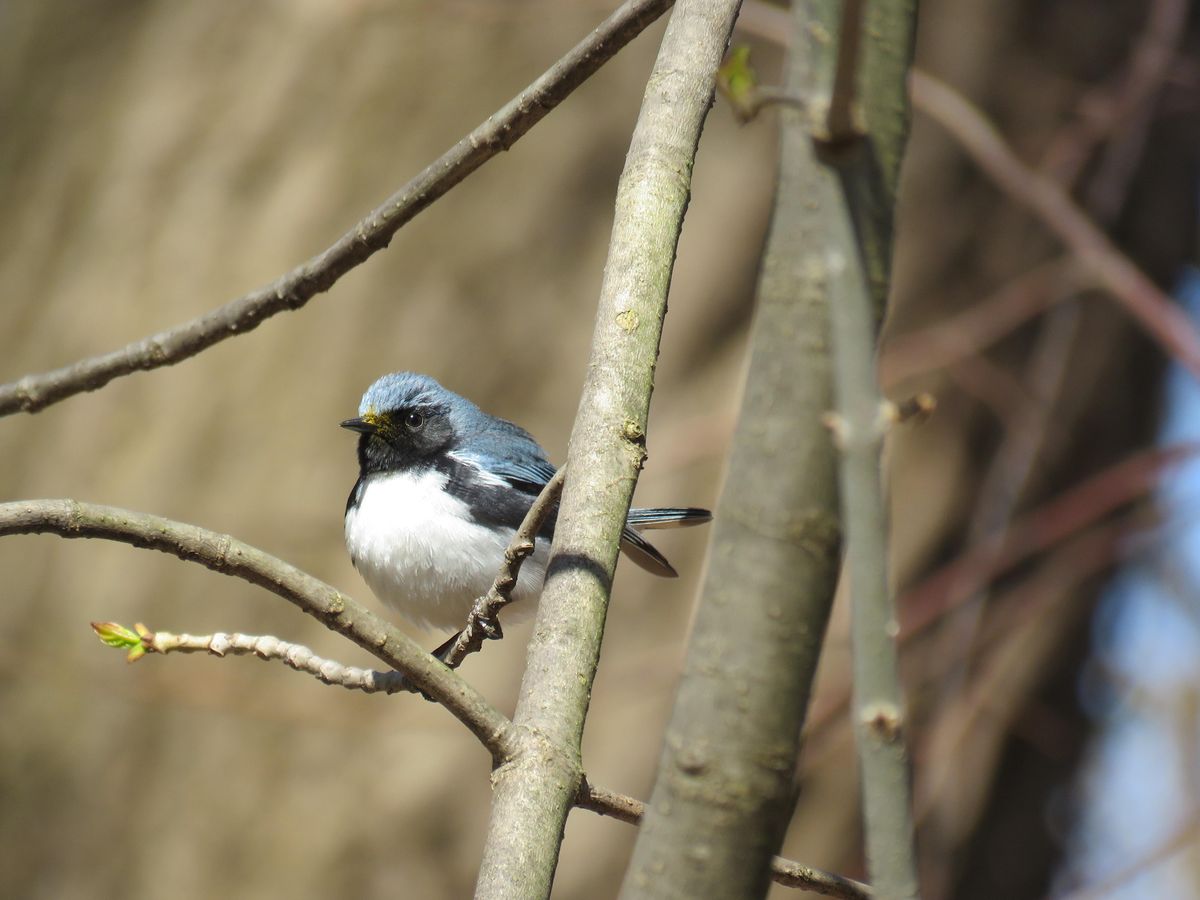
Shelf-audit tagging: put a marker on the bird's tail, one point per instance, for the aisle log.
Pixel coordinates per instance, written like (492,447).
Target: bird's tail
(641,551)
(668,517)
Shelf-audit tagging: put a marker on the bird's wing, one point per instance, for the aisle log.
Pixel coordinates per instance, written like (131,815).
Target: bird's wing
(527,473)
(530,473)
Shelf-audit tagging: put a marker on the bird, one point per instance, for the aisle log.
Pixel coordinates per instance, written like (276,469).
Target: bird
(442,488)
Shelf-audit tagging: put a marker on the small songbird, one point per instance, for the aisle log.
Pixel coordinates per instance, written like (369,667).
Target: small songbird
(442,487)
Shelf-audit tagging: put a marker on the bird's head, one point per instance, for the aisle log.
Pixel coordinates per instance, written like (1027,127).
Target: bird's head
(404,419)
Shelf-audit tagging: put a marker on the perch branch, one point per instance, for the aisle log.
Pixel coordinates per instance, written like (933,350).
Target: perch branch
(482,622)
(229,556)
(294,289)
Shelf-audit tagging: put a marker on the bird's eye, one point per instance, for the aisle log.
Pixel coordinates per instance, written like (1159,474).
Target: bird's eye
(414,420)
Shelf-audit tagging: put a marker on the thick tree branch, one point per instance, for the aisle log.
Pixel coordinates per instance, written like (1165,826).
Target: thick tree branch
(535,791)
(783,871)
(229,556)
(294,289)
(724,788)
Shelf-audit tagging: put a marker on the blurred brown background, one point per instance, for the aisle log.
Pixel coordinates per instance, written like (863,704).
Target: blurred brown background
(157,159)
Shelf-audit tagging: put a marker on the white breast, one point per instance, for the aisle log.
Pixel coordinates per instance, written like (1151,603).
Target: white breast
(419,551)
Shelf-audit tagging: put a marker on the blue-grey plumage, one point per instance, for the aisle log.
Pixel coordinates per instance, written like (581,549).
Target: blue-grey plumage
(442,487)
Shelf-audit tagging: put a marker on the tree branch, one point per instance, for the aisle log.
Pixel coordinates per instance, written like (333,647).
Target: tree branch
(858,253)
(482,622)
(723,792)
(267,647)
(783,871)
(229,556)
(1161,318)
(294,289)
(535,791)
(594,799)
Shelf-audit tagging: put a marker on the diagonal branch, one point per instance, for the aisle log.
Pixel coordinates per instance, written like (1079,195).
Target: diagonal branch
(229,556)
(482,622)
(294,289)
(1153,310)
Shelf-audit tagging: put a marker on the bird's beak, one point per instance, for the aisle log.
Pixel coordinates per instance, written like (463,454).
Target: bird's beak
(367,424)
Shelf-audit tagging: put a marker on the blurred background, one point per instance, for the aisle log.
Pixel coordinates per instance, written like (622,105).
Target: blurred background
(159,158)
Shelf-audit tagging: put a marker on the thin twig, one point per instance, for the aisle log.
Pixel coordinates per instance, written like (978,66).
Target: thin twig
(1044,529)
(229,556)
(482,622)
(1183,838)
(294,289)
(264,646)
(1162,319)
(858,244)
(1052,522)
(971,331)
(784,871)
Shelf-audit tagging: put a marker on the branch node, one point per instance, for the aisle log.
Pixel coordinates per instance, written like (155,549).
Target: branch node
(915,410)
(884,720)
(838,427)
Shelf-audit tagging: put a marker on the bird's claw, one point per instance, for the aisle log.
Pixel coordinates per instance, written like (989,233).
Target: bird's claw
(490,626)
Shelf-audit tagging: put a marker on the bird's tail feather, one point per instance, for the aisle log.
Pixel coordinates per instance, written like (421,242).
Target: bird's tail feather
(641,551)
(668,517)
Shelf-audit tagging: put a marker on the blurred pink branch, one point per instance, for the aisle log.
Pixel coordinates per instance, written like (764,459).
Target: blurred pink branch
(1183,838)
(969,332)
(1038,531)
(294,289)
(1068,514)
(1162,319)
(1120,115)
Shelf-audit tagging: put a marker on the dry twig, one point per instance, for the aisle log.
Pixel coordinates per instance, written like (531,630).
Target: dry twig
(294,289)
(482,622)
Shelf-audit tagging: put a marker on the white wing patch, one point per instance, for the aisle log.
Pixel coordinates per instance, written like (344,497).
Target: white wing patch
(419,551)
(484,476)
